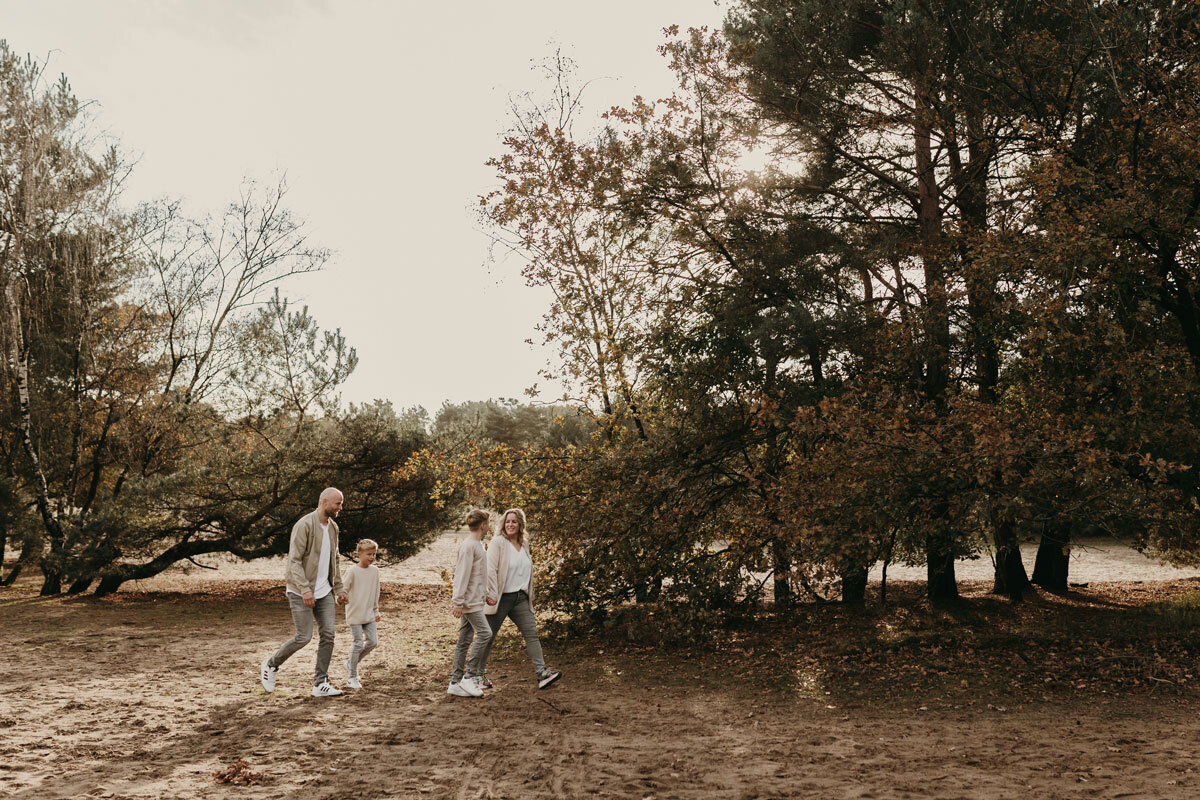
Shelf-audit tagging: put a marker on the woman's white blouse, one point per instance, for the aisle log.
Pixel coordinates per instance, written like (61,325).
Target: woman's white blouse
(520,569)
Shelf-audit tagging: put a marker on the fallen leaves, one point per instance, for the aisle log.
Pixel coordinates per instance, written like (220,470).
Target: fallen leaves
(239,774)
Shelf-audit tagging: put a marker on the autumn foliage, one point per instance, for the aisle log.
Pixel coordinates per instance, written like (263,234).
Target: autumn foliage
(878,283)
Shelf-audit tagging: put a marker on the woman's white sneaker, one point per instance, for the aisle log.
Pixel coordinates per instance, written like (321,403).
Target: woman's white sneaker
(465,688)
(266,674)
(326,689)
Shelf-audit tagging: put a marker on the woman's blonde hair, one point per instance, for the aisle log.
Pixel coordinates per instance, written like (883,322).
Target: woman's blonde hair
(520,524)
(366,544)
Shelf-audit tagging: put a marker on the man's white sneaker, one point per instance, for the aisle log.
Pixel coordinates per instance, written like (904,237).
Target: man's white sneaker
(266,674)
(353,683)
(326,689)
(465,688)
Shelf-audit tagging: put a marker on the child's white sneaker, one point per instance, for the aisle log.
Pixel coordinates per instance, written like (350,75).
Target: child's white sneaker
(326,689)
(266,674)
(353,683)
(465,688)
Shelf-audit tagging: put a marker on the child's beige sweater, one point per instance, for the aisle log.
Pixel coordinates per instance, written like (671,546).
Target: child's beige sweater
(470,575)
(363,587)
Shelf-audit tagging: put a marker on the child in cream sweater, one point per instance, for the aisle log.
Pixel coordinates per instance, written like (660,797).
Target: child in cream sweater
(361,583)
(466,605)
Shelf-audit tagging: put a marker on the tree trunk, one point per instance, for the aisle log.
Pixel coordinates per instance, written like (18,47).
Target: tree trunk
(80,586)
(51,565)
(1010,570)
(108,585)
(1053,562)
(929,217)
(939,575)
(52,580)
(854,585)
(941,585)
(782,566)
(31,547)
(939,557)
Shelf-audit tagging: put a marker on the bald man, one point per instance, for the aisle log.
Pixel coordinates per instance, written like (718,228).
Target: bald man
(314,586)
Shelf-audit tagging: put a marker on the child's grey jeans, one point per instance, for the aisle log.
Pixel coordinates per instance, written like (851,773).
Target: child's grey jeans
(365,640)
(472,625)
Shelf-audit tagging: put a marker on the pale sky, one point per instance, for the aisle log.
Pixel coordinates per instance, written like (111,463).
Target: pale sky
(381,114)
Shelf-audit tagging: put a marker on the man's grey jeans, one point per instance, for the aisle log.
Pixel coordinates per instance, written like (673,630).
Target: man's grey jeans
(303,617)
(473,625)
(516,605)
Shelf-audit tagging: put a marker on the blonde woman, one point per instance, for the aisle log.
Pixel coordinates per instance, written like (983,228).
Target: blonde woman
(510,593)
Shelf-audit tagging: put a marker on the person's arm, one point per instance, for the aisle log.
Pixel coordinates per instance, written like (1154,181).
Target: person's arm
(462,577)
(347,584)
(377,615)
(493,572)
(530,552)
(333,559)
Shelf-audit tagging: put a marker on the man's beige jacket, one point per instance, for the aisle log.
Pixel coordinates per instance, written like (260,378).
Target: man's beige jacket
(304,553)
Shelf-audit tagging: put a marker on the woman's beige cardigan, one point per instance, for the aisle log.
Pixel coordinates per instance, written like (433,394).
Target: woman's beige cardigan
(500,551)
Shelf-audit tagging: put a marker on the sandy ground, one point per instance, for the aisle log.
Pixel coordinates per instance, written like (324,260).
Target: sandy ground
(147,694)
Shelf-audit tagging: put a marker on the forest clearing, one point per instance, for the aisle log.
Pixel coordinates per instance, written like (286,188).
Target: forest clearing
(148,693)
(858,447)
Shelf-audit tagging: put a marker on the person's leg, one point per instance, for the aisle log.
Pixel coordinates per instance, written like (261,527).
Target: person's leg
(302,618)
(465,633)
(522,615)
(323,612)
(372,638)
(483,638)
(496,620)
(356,650)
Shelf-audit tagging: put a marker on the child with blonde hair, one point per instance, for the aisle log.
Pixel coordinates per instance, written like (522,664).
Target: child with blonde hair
(466,604)
(362,609)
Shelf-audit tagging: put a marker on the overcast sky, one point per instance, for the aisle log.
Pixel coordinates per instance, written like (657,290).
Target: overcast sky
(381,114)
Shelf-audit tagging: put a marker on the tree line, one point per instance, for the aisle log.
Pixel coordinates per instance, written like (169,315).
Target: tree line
(880,282)
(161,397)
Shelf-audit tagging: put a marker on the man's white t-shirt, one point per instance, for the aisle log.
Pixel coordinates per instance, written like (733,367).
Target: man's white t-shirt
(520,568)
(323,586)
